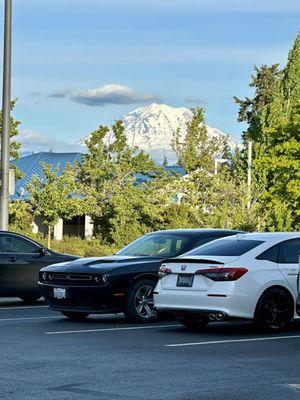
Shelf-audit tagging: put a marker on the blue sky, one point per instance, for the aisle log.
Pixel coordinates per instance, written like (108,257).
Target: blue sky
(180,52)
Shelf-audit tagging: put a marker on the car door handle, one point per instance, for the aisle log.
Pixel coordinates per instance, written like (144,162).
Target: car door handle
(12,259)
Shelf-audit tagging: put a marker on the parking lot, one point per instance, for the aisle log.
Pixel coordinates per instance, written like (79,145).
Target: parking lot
(46,356)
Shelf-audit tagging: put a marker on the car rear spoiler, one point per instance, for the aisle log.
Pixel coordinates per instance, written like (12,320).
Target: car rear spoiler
(191,261)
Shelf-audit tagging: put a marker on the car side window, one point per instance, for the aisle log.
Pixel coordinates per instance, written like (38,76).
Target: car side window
(270,254)
(16,244)
(289,252)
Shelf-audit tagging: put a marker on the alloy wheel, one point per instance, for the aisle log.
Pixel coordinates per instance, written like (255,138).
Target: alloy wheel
(277,310)
(144,303)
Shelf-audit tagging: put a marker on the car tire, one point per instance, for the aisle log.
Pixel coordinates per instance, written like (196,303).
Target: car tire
(194,324)
(139,302)
(274,311)
(30,299)
(76,316)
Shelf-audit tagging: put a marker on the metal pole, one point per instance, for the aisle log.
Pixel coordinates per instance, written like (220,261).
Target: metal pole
(249,172)
(5,134)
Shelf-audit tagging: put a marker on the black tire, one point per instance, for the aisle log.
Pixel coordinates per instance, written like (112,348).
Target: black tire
(274,311)
(30,299)
(139,302)
(194,324)
(76,316)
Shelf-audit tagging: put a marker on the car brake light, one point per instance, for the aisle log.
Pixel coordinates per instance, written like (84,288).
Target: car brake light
(223,274)
(163,271)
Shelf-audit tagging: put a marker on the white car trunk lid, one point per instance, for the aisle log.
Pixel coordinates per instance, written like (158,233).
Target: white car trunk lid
(184,274)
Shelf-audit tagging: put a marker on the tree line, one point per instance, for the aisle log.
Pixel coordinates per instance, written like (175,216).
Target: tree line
(103,185)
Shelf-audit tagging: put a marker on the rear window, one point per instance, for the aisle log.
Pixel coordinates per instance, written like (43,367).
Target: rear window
(225,247)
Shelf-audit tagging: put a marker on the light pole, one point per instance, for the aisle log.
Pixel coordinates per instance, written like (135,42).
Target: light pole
(5,134)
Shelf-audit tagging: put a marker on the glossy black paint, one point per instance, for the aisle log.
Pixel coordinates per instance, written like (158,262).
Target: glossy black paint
(122,272)
(19,270)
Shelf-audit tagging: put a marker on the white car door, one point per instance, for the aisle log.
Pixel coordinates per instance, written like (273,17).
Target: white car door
(288,262)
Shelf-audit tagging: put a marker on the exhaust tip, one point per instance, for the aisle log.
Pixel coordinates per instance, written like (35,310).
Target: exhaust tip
(212,317)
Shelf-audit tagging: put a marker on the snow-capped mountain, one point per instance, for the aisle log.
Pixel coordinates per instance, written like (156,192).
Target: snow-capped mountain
(152,128)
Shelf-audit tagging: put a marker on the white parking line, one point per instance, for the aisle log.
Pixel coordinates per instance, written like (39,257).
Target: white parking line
(21,307)
(128,328)
(25,318)
(233,341)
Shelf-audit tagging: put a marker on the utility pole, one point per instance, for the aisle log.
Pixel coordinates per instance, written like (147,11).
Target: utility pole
(249,178)
(5,134)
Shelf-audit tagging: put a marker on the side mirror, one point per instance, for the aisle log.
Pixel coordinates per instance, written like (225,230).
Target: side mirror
(43,251)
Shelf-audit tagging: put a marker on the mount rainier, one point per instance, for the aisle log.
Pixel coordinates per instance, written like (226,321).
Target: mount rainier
(151,128)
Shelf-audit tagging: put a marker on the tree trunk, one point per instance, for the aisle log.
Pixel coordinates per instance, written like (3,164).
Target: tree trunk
(49,237)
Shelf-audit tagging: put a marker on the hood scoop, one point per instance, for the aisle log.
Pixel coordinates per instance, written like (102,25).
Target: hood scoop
(96,262)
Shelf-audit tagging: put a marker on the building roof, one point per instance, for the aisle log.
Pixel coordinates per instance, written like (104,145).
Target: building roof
(32,166)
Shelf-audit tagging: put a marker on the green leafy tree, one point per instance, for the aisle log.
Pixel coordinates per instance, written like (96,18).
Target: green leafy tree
(14,131)
(196,150)
(273,125)
(121,209)
(20,217)
(56,196)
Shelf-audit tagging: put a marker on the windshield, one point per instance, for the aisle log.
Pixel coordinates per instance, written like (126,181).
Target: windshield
(225,247)
(160,245)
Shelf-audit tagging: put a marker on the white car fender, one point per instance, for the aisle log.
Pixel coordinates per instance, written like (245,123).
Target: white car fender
(267,286)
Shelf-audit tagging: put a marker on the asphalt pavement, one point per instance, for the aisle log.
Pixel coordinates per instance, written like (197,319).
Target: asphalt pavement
(46,356)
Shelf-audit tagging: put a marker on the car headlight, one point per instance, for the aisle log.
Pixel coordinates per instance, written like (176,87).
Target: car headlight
(44,276)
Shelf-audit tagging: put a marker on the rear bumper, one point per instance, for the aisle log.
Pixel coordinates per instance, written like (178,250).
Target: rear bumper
(231,305)
(91,299)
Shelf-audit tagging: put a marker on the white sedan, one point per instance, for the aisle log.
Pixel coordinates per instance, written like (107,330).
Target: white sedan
(249,276)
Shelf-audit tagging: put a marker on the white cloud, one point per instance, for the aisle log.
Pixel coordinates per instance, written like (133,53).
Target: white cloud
(33,142)
(107,94)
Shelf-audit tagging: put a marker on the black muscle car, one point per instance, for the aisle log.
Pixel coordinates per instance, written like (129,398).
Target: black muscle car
(21,259)
(120,283)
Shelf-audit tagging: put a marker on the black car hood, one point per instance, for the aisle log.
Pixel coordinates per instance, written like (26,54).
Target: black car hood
(99,264)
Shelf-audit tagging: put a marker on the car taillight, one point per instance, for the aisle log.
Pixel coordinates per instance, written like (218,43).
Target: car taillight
(163,271)
(223,274)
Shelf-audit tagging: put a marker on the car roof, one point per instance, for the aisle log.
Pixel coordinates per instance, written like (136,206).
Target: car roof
(197,231)
(270,235)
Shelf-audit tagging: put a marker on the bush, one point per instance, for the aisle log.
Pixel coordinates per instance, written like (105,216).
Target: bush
(82,247)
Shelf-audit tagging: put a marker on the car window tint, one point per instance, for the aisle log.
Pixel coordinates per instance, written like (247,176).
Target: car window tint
(15,244)
(289,252)
(179,244)
(203,240)
(270,255)
(226,247)
(162,245)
